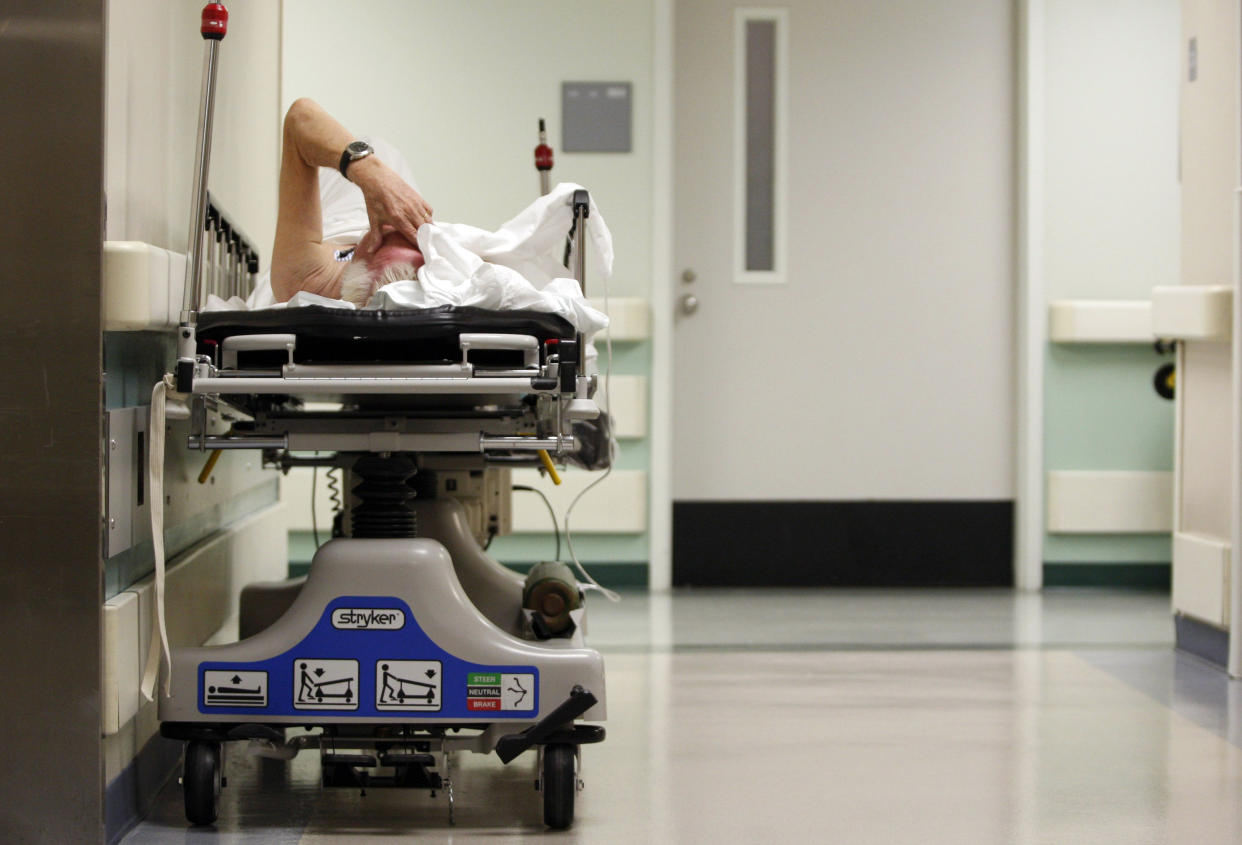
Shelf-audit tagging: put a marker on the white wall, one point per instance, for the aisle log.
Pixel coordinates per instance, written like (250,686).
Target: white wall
(459,87)
(1112,210)
(154,70)
(153,77)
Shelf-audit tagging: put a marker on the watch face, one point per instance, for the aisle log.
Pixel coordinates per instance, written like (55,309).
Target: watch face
(357,148)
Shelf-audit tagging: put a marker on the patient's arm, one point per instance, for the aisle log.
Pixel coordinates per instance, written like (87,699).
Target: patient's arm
(300,258)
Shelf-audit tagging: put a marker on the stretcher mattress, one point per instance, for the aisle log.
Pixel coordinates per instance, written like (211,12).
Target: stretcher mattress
(340,336)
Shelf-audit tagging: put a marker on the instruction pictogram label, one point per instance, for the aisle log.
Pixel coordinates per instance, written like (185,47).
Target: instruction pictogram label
(500,691)
(325,684)
(224,688)
(407,684)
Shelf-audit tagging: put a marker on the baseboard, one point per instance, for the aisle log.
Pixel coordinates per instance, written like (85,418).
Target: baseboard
(1135,576)
(128,798)
(612,575)
(1204,641)
(843,544)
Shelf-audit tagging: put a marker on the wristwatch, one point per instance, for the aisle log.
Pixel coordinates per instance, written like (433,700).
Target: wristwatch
(354,151)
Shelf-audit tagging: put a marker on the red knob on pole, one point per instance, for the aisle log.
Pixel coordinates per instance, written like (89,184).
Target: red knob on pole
(215,21)
(543,157)
(543,153)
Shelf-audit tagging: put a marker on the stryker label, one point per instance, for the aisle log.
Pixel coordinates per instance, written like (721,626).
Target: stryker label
(368,618)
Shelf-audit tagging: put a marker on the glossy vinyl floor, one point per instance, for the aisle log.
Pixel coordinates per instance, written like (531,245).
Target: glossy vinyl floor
(834,716)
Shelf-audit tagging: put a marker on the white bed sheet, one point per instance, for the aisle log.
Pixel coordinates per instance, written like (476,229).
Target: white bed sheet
(516,267)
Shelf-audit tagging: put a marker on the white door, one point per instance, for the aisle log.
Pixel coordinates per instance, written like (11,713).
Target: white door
(876,361)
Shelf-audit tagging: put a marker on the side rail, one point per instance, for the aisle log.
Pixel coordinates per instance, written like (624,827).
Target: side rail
(230,258)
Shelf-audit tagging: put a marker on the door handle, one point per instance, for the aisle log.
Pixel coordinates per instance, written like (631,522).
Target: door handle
(688,304)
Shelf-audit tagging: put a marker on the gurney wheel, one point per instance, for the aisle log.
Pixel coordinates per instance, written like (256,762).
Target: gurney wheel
(201,780)
(560,784)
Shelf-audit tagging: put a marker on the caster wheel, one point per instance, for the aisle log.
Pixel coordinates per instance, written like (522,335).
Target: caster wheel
(201,780)
(560,784)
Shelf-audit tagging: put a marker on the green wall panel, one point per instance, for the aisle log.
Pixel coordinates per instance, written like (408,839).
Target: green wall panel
(1102,413)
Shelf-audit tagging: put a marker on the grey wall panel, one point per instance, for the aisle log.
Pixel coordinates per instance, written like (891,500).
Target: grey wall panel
(51,223)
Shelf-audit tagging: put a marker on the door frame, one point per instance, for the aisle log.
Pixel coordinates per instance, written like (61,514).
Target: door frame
(660,496)
(1028,553)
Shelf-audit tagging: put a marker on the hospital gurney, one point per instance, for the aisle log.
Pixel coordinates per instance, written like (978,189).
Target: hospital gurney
(405,643)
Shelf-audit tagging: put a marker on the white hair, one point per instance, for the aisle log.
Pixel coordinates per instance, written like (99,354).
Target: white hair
(359,284)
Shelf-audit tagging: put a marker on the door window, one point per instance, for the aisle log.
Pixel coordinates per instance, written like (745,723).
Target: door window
(759,145)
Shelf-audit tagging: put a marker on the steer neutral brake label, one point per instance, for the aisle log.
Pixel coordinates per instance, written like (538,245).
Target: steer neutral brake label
(368,656)
(500,691)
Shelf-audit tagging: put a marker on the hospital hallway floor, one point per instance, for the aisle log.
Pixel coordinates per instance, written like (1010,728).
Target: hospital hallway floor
(967,716)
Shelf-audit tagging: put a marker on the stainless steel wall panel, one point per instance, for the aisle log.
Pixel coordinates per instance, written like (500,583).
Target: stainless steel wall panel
(51,224)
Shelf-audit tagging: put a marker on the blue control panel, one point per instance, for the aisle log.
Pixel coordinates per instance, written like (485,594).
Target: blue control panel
(367,656)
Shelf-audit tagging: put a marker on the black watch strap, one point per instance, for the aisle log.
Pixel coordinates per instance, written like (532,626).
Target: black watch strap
(354,151)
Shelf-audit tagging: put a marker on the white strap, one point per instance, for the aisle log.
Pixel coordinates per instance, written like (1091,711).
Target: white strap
(155,488)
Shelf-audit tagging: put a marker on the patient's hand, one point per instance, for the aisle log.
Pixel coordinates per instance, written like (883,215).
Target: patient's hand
(392,205)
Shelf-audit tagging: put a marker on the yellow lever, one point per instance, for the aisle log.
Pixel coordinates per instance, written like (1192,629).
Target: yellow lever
(549,466)
(209,466)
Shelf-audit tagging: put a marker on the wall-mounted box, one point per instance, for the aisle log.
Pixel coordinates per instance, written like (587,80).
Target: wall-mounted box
(1201,578)
(596,117)
(295,491)
(127,513)
(629,405)
(1099,321)
(121,678)
(1090,502)
(142,286)
(617,506)
(1193,312)
(629,316)
(177,264)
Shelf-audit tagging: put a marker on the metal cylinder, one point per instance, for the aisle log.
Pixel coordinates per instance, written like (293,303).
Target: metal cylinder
(551,592)
(519,443)
(191,299)
(239,267)
(216,242)
(580,252)
(582,210)
(231,442)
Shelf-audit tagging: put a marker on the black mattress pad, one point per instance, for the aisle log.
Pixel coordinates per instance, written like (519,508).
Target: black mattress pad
(339,335)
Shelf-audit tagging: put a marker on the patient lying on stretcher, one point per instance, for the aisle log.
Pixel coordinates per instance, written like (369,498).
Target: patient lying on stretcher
(387,251)
(368,238)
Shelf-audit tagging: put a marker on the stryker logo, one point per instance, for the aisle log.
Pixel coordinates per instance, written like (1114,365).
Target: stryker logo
(368,618)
